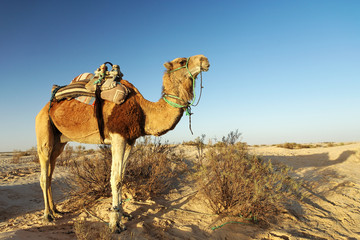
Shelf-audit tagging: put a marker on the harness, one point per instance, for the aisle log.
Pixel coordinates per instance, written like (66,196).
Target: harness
(104,85)
(188,105)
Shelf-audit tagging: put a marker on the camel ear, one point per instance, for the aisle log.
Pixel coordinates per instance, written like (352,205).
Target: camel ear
(168,65)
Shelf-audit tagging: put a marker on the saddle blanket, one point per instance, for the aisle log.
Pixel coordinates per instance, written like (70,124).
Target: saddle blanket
(76,89)
(86,100)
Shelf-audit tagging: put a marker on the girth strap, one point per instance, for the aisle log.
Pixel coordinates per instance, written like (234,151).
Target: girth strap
(99,113)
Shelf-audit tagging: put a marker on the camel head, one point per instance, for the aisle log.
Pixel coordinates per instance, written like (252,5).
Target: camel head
(181,73)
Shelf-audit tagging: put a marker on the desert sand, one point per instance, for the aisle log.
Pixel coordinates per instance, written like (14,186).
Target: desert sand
(330,208)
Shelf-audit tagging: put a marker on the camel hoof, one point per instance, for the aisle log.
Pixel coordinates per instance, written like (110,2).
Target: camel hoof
(57,214)
(48,218)
(128,216)
(118,228)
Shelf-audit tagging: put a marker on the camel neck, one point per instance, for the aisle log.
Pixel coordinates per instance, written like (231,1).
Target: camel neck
(160,117)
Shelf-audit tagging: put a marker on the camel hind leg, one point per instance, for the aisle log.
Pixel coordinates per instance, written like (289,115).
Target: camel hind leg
(49,148)
(57,150)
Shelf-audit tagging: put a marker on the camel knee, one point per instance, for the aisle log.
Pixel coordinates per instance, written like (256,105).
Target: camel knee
(43,180)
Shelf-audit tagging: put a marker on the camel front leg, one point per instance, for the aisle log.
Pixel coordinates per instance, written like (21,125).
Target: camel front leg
(118,145)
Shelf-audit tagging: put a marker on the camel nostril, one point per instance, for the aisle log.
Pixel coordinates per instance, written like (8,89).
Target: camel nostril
(205,66)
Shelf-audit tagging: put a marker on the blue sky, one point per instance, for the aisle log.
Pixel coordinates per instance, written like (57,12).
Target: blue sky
(281,71)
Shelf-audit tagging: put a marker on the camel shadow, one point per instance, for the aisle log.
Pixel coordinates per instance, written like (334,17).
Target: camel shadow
(321,160)
(17,200)
(157,221)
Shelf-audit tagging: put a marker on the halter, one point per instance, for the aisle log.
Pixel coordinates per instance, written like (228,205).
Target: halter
(189,104)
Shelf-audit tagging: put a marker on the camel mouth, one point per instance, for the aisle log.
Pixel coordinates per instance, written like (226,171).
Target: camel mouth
(205,68)
(202,68)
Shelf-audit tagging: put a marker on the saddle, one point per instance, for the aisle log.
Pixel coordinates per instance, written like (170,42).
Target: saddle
(103,85)
(86,85)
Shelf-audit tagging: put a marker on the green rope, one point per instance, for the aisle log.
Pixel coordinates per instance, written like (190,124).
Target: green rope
(176,105)
(101,76)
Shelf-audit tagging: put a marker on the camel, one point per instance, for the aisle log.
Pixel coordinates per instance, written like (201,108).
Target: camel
(71,120)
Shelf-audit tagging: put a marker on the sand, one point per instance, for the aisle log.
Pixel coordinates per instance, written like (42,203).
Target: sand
(329,210)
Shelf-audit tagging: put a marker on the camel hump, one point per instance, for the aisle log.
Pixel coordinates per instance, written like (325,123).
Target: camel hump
(130,86)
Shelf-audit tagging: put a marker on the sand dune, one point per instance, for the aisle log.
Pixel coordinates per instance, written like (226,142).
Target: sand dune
(329,210)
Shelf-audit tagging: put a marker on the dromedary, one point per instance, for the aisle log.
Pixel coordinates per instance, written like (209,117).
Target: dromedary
(123,124)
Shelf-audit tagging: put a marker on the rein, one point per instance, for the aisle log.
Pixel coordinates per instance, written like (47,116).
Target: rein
(189,104)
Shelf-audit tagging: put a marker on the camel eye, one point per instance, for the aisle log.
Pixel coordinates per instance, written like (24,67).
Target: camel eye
(183,62)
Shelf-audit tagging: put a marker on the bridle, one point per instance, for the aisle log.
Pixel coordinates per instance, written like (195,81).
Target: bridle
(188,105)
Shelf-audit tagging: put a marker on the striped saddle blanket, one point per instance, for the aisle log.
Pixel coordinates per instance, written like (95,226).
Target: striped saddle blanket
(76,89)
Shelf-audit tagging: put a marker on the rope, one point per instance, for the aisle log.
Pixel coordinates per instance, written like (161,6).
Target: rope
(188,112)
(192,77)
(188,105)
(201,88)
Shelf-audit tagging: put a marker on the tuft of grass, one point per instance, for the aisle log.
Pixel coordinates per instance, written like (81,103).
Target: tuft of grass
(65,156)
(231,138)
(300,146)
(90,230)
(236,183)
(295,145)
(200,147)
(17,154)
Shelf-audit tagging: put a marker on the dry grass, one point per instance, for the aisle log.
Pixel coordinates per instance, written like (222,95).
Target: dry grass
(293,145)
(233,182)
(91,230)
(17,155)
(90,177)
(65,156)
(238,184)
(151,171)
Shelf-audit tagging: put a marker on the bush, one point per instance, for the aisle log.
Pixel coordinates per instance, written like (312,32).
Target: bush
(17,154)
(91,177)
(295,145)
(65,156)
(239,184)
(151,171)
(231,138)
